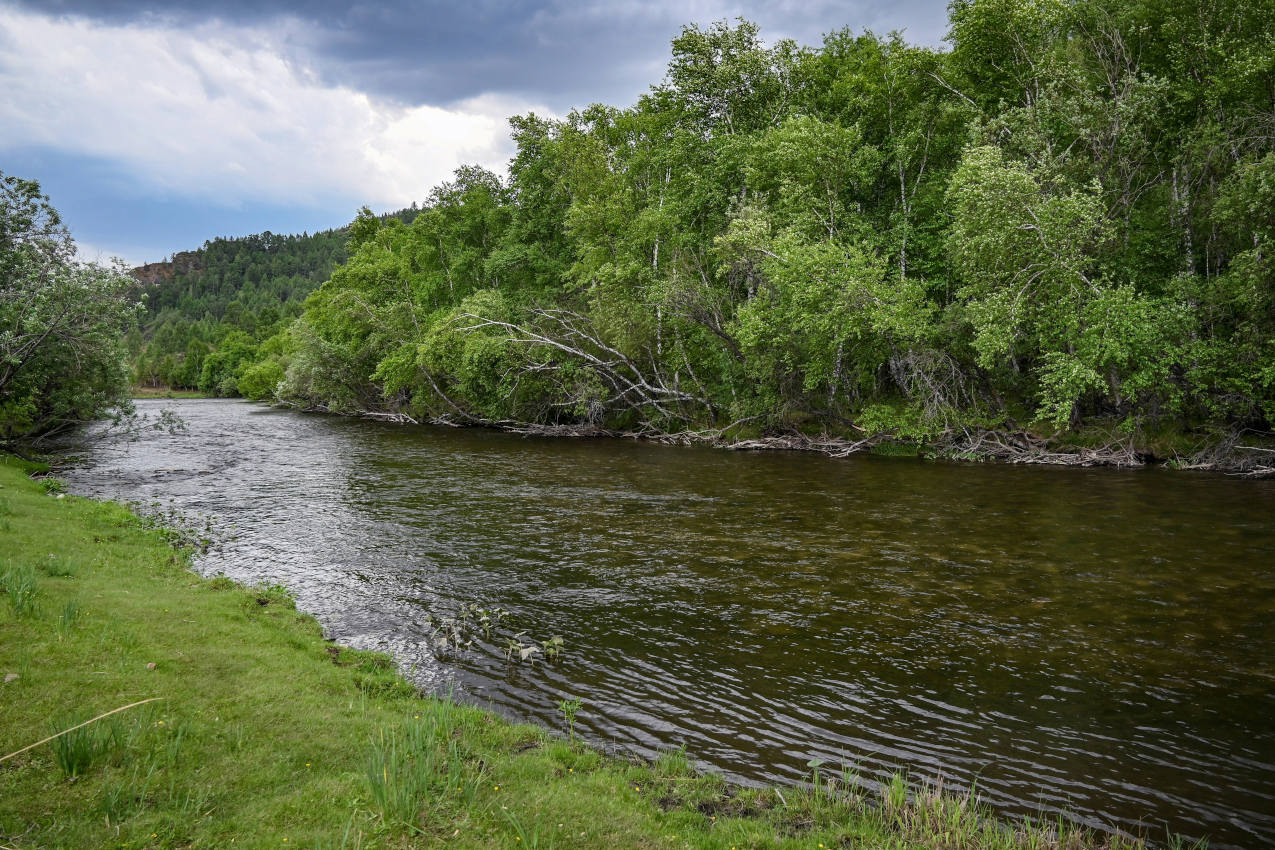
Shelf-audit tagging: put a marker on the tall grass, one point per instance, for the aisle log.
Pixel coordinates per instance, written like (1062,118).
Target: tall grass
(70,616)
(120,798)
(20,584)
(76,750)
(421,762)
(57,567)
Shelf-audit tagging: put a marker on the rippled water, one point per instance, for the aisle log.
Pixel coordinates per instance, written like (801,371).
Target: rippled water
(1091,640)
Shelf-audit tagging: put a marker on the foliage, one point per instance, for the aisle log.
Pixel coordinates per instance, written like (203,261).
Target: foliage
(62,323)
(1064,218)
(228,298)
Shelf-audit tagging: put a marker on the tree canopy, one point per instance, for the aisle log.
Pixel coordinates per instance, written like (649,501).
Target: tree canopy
(62,323)
(1065,218)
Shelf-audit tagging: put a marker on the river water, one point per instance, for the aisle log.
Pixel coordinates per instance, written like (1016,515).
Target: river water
(1096,641)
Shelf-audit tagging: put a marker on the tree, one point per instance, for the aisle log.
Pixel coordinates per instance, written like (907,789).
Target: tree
(62,323)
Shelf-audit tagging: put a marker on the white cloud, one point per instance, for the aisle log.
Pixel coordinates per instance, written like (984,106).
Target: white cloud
(87,253)
(223,113)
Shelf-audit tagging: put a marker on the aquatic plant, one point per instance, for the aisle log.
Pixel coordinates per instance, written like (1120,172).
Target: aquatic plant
(515,646)
(552,647)
(470,623)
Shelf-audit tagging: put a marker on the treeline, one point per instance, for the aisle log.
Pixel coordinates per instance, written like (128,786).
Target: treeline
(1065,218)
(208,310)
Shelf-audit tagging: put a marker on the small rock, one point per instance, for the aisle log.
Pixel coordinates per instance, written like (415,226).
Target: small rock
(10,677)
(150,666)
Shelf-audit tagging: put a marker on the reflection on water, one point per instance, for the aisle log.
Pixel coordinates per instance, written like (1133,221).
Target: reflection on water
(1092,640)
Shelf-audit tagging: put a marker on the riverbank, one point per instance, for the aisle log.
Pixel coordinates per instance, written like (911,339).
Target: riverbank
(166,392)
(1243,453)
(263,734)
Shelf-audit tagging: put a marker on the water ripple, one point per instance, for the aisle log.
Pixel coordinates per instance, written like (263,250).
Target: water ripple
(1089,641)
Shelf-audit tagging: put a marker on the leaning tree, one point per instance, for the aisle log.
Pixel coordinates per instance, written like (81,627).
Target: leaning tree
(62,324)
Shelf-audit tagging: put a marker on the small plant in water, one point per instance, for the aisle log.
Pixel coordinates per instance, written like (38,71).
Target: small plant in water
(552,646)
(569,708)
(514,645)
(470,623)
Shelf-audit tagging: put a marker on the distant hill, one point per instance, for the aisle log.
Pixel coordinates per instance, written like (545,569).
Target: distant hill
(253,273)
(237,289)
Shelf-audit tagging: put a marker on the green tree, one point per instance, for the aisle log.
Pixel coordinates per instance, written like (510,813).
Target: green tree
(62,323)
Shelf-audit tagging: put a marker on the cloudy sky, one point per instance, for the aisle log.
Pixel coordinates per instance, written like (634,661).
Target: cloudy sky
(156,125)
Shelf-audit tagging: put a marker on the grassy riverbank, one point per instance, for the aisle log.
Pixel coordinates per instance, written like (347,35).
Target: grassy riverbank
(265,735)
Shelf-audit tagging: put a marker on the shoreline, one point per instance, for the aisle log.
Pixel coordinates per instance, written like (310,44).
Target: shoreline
(262,724)
(1226,455)
(148,393)
(1096,447)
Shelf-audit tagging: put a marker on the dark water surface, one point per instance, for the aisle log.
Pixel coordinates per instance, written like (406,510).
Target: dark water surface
(1094,640)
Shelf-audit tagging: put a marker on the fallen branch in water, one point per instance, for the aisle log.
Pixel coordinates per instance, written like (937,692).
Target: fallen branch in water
(830,446)
(399,418)
(1225,456)
(1021,447)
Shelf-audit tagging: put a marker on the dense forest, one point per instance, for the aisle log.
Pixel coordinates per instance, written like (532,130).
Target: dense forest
(207,311)
(1062,222)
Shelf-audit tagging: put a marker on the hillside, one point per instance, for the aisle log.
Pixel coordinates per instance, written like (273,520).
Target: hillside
(226,296)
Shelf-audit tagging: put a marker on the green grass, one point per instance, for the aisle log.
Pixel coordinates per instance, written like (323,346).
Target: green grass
(267,736)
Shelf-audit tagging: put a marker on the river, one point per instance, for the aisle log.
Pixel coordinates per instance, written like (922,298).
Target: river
(1095,641)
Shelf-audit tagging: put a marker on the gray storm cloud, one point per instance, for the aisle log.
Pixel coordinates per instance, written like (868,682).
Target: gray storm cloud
(559,53)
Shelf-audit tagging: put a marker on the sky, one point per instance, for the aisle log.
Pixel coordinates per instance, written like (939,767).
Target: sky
(154,125)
